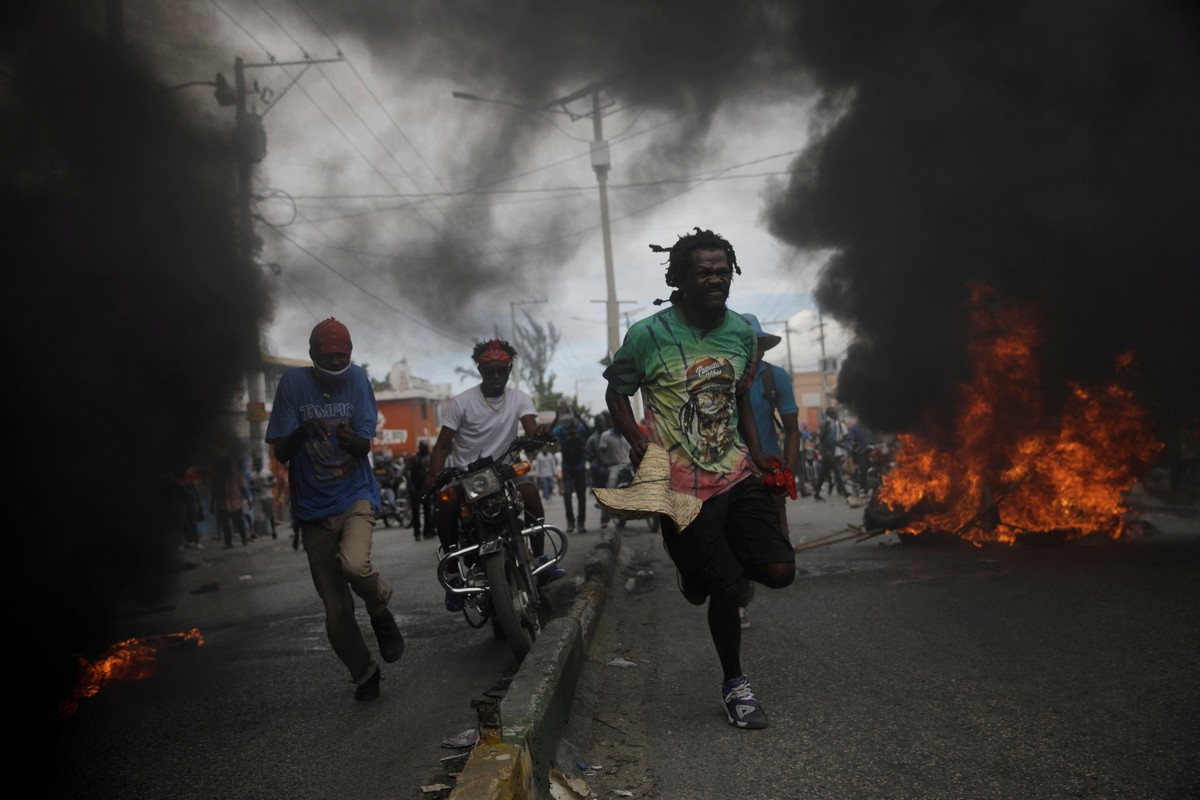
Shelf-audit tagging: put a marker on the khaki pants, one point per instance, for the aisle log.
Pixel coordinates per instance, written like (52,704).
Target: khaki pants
(339,556)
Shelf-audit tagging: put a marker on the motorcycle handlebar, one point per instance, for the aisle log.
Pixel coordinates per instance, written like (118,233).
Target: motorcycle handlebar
(450,474)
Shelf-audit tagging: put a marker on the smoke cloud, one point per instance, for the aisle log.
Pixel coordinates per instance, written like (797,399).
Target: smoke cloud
(1045,149)
(128,322)
(672,58)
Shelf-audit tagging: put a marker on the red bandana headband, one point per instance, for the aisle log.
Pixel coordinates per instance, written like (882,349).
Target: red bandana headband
(493,352)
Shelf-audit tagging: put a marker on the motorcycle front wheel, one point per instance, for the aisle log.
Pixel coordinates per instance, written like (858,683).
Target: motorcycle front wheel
(512,604)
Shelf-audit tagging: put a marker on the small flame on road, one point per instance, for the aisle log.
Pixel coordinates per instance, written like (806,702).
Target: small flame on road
(131,660)
(1013,468)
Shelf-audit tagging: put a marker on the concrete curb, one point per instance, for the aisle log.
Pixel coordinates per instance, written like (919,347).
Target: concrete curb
(538,700)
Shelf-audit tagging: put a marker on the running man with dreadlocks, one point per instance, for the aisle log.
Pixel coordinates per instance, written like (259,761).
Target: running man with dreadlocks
(483,421)
(694,363)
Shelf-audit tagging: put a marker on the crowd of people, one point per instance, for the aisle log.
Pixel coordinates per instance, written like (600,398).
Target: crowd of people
(726,419)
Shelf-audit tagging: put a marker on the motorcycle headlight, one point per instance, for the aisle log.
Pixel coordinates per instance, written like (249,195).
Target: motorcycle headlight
(481,484)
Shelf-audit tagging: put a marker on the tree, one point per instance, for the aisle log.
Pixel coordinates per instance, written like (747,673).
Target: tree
(377,385)
(535,345)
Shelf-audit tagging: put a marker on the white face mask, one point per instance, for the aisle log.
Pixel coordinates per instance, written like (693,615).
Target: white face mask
(331,380)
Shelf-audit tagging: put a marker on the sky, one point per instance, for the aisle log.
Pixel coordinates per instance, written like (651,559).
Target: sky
(372,164)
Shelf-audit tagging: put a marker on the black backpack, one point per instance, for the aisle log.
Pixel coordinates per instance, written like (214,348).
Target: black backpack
(572,446)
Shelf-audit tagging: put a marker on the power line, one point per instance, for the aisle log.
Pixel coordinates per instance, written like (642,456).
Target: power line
(242,28)
(367,292)
(286,33)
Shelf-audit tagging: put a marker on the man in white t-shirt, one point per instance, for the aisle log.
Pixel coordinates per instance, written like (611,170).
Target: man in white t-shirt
(483,421)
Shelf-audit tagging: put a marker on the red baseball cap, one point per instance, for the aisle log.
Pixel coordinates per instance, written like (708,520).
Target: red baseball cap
(329,336)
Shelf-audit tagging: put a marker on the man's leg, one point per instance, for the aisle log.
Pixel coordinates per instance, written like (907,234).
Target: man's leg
(427,505)
(837,474)
(321,546)
(226,527)
(354,552)
(239,522)
(726,629)
(580,481)
(568,494)
(447,523)
(533,510)
(414,504)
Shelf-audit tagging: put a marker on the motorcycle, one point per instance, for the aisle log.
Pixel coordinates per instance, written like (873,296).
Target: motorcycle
(880,459)
(393,507)
(493,568)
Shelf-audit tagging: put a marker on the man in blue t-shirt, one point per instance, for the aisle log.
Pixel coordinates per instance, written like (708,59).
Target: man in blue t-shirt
(772,392)
(322,423)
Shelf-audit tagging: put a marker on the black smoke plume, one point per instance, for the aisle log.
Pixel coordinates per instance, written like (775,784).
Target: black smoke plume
(686,59)
(128,321)
(1047,149)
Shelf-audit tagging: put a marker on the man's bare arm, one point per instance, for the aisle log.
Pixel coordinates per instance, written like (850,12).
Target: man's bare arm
(441,451)
(791,441)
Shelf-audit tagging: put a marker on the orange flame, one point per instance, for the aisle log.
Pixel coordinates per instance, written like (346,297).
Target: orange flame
(1012,468)
(130,660)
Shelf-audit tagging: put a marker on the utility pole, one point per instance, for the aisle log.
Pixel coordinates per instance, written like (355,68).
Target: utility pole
(250,147)
(601,163)
(512,308)
(820,326)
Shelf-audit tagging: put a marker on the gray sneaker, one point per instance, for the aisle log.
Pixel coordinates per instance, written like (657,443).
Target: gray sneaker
(741,707)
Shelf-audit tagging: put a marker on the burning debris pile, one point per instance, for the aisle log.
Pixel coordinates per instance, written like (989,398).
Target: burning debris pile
(1006,465)
(131,660)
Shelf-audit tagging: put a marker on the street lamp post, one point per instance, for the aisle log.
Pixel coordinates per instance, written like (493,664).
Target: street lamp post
(601,163)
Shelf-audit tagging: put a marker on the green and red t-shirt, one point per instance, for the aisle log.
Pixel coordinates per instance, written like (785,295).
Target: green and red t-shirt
(689,380)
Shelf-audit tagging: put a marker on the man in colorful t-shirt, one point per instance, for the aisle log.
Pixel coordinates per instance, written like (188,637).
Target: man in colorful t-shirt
(322,423)
(694,363)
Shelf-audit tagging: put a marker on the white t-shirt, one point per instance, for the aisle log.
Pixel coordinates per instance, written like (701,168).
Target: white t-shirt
(484,426)
(544,465)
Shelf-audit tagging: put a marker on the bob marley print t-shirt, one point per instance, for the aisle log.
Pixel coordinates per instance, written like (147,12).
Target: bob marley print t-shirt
(689,380)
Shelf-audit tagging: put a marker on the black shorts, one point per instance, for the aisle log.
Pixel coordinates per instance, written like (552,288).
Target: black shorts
(734,530)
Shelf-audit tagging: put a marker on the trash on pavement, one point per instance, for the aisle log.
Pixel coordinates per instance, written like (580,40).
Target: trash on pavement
(245,577)
(435,787)
(564,788)
(642,581)
(466,738)
(621,662)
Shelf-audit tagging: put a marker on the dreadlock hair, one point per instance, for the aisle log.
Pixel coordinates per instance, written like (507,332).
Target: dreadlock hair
(681,257)
(484,345)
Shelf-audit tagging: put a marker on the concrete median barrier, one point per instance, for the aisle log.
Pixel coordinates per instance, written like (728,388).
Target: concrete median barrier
(538,699)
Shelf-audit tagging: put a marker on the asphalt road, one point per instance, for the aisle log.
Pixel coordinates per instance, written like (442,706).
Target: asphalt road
(909,671)
(264,709)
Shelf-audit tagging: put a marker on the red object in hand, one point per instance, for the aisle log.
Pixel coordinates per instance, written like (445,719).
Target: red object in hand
(780,480)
